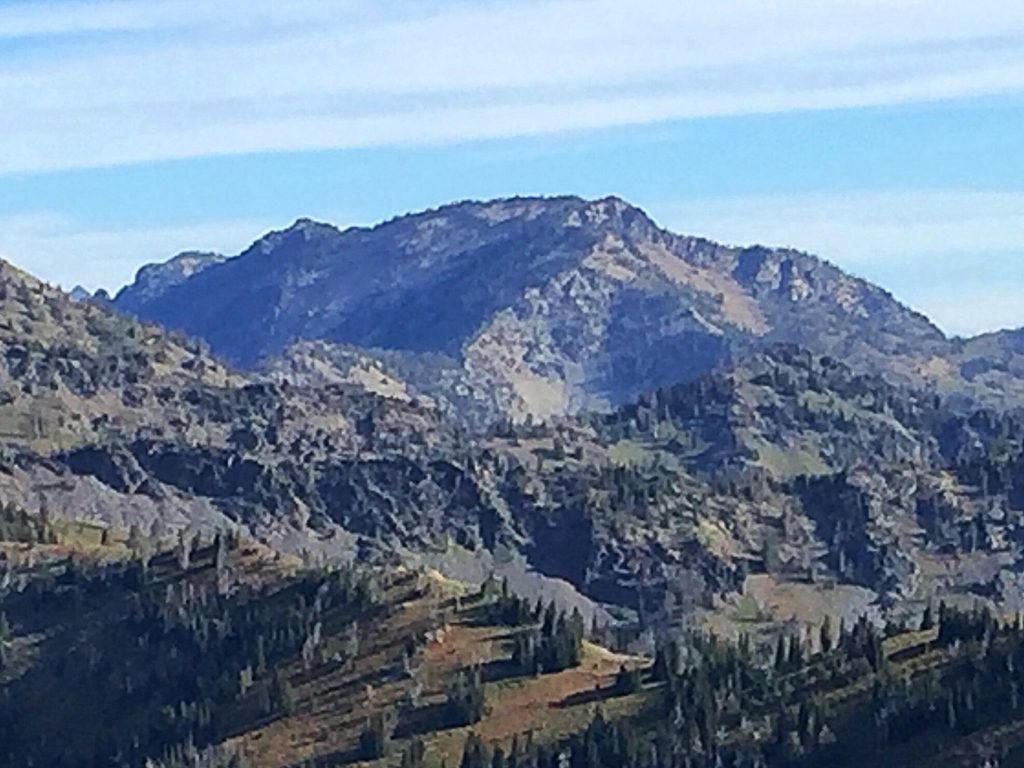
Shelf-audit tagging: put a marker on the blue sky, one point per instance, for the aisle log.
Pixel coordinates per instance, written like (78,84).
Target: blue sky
(883,135)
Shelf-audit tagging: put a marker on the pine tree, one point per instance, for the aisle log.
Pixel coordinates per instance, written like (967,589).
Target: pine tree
(628,680)
(826,635)
(375,740)
(474,754)
(927,620)
(781,654)
(465,698)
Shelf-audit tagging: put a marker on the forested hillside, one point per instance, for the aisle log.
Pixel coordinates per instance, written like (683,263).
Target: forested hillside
(170,653)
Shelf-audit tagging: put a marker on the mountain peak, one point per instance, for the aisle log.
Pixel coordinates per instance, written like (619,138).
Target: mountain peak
(542,305)
(306,225)
(80,293)
(153,280)
(303,230)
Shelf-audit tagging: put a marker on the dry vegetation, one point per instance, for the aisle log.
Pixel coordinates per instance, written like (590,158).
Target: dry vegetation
(332,707)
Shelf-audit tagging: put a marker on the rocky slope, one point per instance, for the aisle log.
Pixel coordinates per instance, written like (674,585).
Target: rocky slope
(111,421)
(88,396)
(69,368)
(788,464)
(539,306)
(821,472)
(153,280)
(782,461)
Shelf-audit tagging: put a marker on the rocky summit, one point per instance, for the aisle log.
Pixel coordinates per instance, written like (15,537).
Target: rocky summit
(536,307)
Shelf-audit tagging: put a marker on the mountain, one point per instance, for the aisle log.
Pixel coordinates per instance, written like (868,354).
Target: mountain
(316,561)
(346,448)
(80,293)
(122,423)
(110,422)
(991,367)
(153,280)
(535,307)
(71,367)
(106,419)
(872,484)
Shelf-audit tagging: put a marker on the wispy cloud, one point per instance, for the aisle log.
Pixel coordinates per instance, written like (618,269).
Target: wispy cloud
(119,81)
(956,255)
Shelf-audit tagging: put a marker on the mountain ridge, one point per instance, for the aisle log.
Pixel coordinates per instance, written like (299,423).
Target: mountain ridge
(544,306)
(152,280)
(786,464)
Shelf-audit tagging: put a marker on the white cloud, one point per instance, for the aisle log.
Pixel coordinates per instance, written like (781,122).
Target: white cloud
(861,229)
(58,250)
(956,255)
(135,81)
(75,17)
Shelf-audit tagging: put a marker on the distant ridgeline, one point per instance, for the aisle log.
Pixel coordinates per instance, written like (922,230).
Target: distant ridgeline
(785,465)
(544,306)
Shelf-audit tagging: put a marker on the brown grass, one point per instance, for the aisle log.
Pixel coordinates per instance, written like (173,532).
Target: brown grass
(544,708)
(333,707)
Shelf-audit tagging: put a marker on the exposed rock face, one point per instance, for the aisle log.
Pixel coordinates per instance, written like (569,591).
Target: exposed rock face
(153,280)
(786,462)
(542,306)
(70,369)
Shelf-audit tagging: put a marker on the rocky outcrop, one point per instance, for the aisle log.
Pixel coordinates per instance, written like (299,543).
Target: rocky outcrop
(154,280)
(810,467)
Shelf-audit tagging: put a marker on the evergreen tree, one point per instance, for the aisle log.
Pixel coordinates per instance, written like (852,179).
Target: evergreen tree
(465,698)
(375,739)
